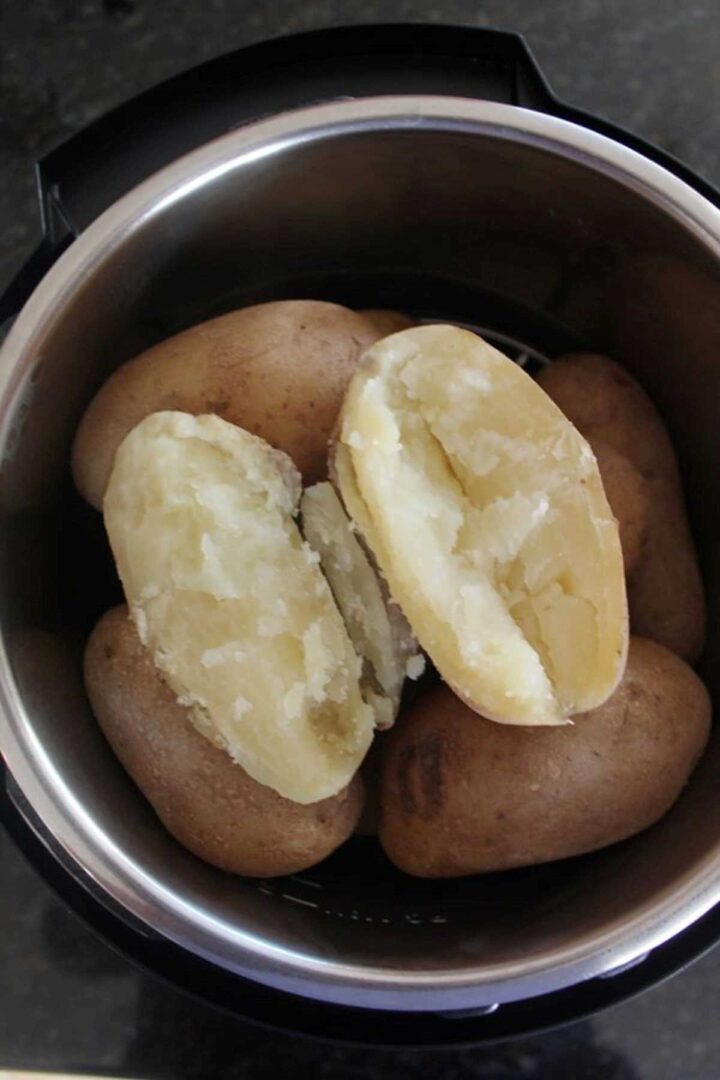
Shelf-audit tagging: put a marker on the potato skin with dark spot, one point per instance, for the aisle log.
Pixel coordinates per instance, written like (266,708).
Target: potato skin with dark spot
(279,370)
(460,794)
(420,776)
(204,799)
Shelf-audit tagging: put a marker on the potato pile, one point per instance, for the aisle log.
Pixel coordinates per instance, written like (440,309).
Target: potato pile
(304,503)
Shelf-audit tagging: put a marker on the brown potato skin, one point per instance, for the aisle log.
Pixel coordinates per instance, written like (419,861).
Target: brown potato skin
(279,370)
(665,591)
(385,322)
(626,492)
(203,798)
(462,795)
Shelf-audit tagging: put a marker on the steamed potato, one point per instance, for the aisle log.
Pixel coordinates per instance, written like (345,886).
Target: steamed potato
(279,370)
(485,511)
(460,795)
(231,603)
(384,321)
(377,627)
(665,591)
(205,799)
(626,491)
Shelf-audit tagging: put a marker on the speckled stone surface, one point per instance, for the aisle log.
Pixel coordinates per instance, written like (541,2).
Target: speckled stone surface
(66,1000)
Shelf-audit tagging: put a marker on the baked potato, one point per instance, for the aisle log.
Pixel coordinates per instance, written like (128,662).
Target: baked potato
(485,512)
(231,602)
(460,795)
(626,491)
(205,799)
(279,370)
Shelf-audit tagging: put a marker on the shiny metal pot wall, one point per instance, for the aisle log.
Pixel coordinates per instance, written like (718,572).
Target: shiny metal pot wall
(526,225)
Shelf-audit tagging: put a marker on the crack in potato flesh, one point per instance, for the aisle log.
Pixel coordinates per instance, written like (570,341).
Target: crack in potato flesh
(486,513)
(232,604)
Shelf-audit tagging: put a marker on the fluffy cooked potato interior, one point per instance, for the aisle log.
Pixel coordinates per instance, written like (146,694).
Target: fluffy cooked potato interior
(485,510)
(377,628)
(232,604)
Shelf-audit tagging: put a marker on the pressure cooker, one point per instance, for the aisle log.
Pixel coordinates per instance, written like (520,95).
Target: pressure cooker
(425,168)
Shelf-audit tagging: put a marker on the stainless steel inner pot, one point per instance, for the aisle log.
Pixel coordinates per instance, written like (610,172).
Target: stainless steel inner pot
(528,226)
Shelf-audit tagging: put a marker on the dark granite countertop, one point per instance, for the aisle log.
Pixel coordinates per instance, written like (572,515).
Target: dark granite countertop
(68,1001)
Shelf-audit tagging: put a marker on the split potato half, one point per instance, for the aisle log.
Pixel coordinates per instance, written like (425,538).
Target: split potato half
(231,603)
(485,511)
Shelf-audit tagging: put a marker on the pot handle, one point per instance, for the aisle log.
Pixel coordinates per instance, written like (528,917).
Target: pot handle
(86,174)
(95,167)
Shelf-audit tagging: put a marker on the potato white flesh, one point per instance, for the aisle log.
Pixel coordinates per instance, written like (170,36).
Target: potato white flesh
(486,513)
(377,628)
(232,604)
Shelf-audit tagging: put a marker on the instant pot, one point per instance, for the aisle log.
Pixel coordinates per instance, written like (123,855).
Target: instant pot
(419,167)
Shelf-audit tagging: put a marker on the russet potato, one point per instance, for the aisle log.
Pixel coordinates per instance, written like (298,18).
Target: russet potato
(627,493)
(205,799)
(279,370)
(461,795)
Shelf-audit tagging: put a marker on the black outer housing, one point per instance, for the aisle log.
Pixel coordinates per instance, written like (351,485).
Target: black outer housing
(85,175)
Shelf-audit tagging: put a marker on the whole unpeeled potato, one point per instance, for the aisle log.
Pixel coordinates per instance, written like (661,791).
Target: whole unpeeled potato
(460,794)
(204,799)
(665,591)
(626,490)
(279,370)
